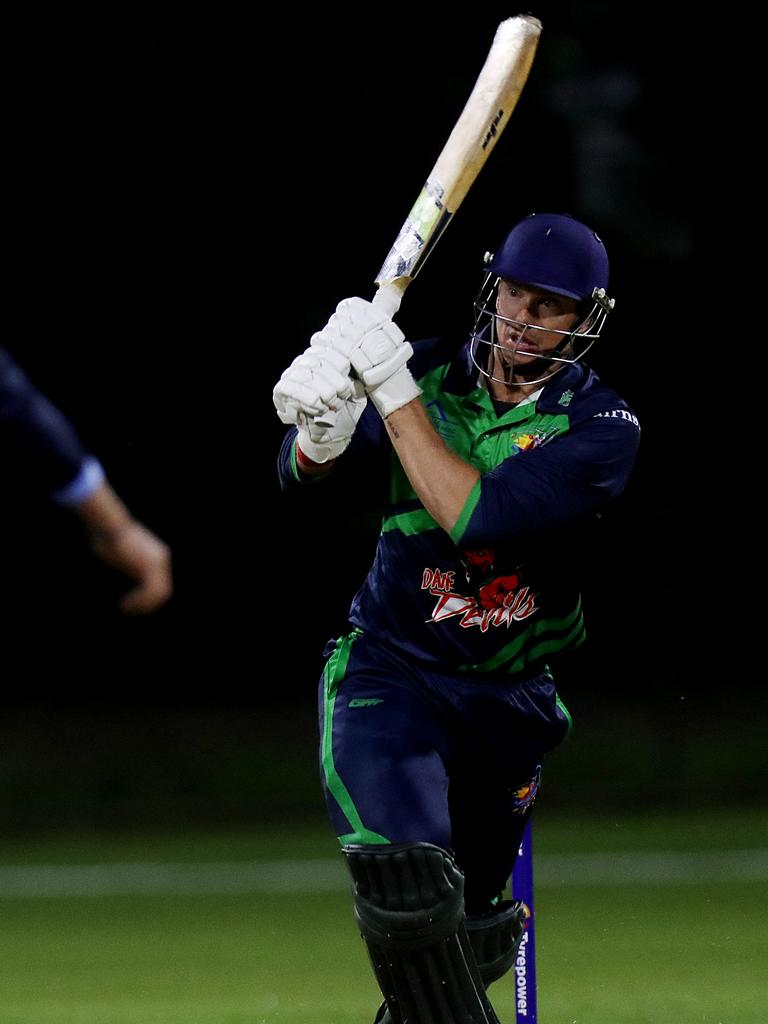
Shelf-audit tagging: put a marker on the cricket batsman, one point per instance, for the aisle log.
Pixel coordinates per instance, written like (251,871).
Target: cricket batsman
(438,704)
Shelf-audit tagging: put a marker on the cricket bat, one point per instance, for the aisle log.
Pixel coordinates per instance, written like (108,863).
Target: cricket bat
(485,115)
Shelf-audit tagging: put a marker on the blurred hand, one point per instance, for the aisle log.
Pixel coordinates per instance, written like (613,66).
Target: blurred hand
(123,543)
(141,556)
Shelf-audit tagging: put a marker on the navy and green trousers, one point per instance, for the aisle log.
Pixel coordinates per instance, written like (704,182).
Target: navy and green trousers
(412,753)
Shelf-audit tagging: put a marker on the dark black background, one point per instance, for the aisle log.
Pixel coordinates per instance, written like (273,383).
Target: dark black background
(187,198)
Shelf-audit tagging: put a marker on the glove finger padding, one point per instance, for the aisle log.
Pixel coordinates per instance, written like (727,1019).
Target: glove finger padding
(321,342)
(354,320)
(288,410)
(325,438)
(323,368)
(311,383)
(360,314)
(293,397)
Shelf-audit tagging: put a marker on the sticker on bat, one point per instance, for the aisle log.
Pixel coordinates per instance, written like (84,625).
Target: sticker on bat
(426,222)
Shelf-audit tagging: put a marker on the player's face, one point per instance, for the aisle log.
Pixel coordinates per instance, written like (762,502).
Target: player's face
(529,307)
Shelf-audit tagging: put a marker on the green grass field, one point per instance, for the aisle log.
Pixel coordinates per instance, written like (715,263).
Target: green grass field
(649,951)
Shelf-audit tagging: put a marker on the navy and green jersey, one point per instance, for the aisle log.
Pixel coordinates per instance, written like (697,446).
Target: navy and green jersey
(498,594)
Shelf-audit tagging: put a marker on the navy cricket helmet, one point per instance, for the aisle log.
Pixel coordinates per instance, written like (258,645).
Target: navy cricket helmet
(556,253)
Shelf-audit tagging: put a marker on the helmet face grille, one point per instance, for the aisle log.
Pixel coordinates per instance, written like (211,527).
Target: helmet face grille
(555,252)
(573,347)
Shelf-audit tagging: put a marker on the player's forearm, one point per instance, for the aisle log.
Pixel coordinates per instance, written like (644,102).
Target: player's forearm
(103,511)
(442,480)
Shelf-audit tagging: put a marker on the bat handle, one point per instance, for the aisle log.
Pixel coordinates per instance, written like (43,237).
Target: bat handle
(390,295)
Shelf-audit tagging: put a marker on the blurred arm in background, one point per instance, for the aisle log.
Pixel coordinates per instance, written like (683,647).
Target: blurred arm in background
(40,445)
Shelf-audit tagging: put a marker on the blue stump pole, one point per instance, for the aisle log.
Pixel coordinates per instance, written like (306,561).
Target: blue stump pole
(525,964)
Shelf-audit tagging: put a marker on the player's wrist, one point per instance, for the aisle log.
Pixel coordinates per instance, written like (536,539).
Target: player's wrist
(312,458)
(395,392)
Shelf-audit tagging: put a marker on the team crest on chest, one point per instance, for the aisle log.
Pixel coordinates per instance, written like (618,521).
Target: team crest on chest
(524,442)
(494,598)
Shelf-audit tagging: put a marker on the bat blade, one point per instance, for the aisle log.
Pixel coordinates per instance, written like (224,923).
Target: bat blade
(485,115)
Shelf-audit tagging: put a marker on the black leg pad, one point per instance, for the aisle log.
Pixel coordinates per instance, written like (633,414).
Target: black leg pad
(409,905)
(495,939)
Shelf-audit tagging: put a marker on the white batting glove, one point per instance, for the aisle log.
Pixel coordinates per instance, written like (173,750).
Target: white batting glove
(317,394)
(324,437)
(313,380)
(376,349)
